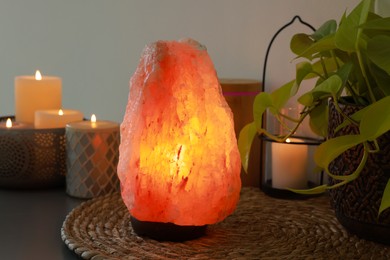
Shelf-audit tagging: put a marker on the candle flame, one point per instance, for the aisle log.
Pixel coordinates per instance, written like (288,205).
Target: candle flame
(60,112)
(288,140)
(93,121)
(38,75)
(8,124)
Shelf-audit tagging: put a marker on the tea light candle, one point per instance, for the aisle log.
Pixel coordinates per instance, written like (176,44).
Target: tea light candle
(31,158)
(8,124)
(36,93)
(56,118)
(92,158)
(289,164)
(94,125)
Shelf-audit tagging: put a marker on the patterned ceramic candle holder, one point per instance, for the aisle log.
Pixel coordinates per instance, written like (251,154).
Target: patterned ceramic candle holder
(31,158)
(92,158)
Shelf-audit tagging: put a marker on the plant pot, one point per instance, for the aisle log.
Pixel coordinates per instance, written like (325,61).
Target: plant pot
(356,204)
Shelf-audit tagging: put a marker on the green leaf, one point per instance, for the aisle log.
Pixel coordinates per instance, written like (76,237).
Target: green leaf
(245,139)
(307,99)
(381,77)
(300,42)
(330,66)
(274,101)
(349,31)
(330,87)
(325,44)
(303,69)
(382,24)
(385,202)
(282,95)
(378,50)
(319,119)
(376,120)
(260,104)
(329,27)
(332,148)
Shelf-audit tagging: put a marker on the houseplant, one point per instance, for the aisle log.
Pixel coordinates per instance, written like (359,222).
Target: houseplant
(350,63)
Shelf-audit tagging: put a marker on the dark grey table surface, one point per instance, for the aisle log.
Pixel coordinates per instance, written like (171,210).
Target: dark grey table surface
(30,224)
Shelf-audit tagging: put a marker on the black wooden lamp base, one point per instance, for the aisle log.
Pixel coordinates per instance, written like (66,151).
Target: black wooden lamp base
(166,231)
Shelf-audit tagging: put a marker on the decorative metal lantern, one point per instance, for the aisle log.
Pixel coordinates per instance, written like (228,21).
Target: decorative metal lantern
(287,165)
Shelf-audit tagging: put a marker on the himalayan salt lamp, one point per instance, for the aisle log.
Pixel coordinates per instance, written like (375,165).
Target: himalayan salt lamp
(179,164)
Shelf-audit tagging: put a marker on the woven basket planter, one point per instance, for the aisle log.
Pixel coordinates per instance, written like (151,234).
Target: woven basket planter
(356,204)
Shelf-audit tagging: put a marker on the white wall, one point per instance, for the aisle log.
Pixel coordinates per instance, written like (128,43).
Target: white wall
(95,45)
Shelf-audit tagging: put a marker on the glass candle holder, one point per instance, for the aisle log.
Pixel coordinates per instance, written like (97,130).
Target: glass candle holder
(92,158)
(290,164)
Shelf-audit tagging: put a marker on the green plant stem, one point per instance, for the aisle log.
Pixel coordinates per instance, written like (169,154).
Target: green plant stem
(371,95)
(356,173)
(289,118)
(306,112)
(335,59)
(352,92)
(364,73)
(339,184)
(324,67)
(376,147)
(345,116)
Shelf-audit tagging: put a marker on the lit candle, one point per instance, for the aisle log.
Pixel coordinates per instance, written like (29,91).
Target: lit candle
(93,125)
(93,120)
(8,124)
(34,93)
(56,118)
(92,157)
(289,164)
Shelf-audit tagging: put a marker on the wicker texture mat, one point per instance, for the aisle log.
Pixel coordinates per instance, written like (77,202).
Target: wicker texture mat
(261,228)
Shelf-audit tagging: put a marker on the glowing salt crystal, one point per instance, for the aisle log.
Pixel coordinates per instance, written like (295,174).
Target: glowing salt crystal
(179,160)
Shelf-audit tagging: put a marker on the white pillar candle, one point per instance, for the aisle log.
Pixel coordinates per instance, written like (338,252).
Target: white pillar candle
(36,93)
(289,164)
(56,118)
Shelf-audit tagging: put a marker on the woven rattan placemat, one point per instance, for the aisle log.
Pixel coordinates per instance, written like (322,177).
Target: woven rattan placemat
(261,228)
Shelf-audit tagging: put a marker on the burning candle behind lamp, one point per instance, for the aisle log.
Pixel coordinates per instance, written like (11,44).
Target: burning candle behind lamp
(179,163)
(92,158)
(36,93)
(56,118)
(289,164)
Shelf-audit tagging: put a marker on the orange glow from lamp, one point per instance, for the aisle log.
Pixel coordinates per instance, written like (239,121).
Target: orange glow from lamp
(179,164)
